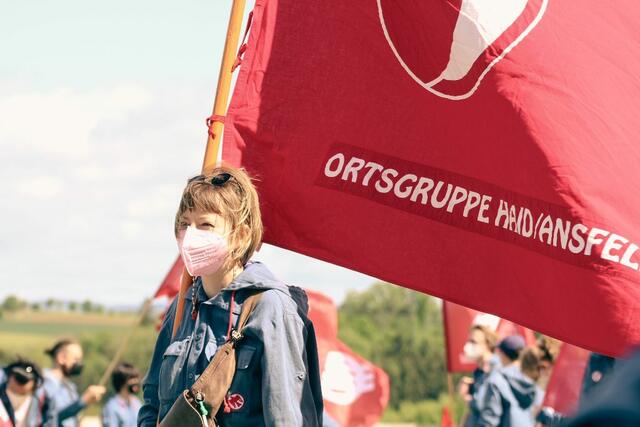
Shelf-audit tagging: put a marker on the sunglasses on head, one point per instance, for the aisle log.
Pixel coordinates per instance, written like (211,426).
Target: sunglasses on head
(217,181)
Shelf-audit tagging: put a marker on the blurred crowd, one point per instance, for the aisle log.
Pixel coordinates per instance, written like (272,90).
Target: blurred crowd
(508,386)
(31,396)
(506,389)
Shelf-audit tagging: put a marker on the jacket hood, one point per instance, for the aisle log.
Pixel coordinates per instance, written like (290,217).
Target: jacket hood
(523,388)
(257,276)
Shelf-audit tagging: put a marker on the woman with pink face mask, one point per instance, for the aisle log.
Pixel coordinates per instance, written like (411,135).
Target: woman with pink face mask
(276,382)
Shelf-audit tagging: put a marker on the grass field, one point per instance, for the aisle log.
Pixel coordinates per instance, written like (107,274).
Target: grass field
(28,333)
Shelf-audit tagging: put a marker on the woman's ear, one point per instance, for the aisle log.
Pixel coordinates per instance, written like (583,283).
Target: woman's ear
(241,241)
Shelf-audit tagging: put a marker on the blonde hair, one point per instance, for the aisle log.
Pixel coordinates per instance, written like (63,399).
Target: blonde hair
(490,337)
(530,359)
(235,199)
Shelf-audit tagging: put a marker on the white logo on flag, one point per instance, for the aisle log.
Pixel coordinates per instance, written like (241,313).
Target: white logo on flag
(479,24)
(344,379)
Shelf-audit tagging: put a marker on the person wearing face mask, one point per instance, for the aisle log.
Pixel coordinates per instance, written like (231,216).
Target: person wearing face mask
(506,397)
(23,403)
(121,410)
(276,381)
(478,349)
(67,356)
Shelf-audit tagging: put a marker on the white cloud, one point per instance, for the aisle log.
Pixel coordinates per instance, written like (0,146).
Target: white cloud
(159,200)
(131,229)
(91,181)
(39,187)
(90,172)
(60,122)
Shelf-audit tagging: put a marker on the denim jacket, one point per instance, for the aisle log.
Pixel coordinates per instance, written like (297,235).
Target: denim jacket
(65,397)
(277,379)
(505,399)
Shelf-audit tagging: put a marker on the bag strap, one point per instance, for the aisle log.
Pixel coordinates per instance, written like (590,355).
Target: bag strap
(228,348)
(247,308)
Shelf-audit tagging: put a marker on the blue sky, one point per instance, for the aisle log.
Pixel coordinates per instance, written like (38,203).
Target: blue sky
(102,106)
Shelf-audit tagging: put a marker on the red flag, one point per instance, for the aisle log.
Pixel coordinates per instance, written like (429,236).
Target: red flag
(446,420)
(355,391)
(565,384)
(170,286)
(457,322)
(486,158)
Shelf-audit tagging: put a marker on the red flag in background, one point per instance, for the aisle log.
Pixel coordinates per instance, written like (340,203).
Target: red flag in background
(446,420)
(503,176)
(565,384)
(458,320)
(355,391)
(170,286)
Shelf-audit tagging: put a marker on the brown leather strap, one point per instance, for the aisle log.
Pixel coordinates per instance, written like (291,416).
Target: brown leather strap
(247,308)
(214,372)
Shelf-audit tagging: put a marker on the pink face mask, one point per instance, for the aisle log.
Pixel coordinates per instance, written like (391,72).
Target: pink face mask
(203,252)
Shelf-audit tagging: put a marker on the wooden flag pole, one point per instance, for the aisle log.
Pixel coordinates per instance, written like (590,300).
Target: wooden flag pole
(212,151)
(451,396)
(445,328)
(125,342)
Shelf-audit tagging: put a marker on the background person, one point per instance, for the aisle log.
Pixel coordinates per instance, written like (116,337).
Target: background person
(598,368)
(616,401)
(479,348)
(506,397)
(121,410)
(536,364)
(67,359)
(23,403)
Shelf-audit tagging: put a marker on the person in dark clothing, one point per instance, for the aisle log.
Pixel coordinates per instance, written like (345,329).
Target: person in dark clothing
(507,395)
(479,348)
(23,402)
(616,402)
(598,368)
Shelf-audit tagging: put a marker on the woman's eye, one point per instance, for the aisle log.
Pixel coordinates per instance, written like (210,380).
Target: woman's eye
(206,224)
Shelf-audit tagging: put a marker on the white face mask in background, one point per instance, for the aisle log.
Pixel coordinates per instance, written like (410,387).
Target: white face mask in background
(471,351)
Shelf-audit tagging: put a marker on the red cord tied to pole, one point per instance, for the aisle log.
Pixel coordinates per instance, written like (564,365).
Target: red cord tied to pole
(243,46)
(211,120)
